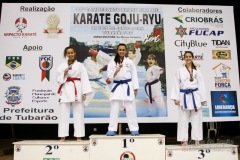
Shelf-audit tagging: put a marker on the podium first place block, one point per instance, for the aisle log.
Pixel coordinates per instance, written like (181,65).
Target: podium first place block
(214,151)
(127,147)
(51,150)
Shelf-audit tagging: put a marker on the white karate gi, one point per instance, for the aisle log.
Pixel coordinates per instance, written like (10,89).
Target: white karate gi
(153,73)
(182,81)
(67,98)
(96,80)
(138,57)
(120,97)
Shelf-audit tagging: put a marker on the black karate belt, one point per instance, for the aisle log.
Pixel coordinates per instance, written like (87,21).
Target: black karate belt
(150,89)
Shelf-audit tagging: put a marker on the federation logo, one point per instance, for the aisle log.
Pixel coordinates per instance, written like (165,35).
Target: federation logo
(13,95)
(181,31)
(6,76)
(13,62)
(127,156)
(45,64)
(21,24)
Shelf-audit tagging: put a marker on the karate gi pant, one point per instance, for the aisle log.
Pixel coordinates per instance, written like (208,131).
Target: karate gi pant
(78,119)
(130,112)
(186,116)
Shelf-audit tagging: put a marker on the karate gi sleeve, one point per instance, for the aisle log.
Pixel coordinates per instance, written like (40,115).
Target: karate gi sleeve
(201,86)
(86,86)
(111,69)
(175,94)
(138,56)
(60,75)
(134,77)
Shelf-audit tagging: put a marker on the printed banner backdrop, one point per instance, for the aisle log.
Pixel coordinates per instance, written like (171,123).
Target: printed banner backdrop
(34,35)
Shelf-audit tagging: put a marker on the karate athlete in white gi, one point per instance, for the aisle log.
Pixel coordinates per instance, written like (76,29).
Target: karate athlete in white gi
(103,59)
(95,67)
(74,84)
(123,72)
(153,87)
(189,95)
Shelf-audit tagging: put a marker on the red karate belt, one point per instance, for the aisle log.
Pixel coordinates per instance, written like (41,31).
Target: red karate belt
(70,79)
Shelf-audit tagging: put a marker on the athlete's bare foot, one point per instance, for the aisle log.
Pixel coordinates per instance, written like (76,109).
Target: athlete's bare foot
(184,143)
(79,139)
(197,143)
(62,139)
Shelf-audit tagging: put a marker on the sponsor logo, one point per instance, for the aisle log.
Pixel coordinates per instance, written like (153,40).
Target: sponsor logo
(195,56)
(224,103)
(13,62)
(208,20)
(53,30)
(221,54)
(179,18)
(181,31)
(221,43)
(189,44)
(45,64)
(13,95)
(6,76)
(21,24)
(18,76)
(222,80)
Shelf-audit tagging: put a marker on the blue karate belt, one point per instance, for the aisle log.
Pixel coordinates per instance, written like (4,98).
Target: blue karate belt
(97,80)
(150,89)
(187,91)
(122,82)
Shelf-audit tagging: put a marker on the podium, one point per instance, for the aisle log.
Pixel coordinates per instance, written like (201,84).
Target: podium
(215,151)
(51,150)
(121,147)
(127,147)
